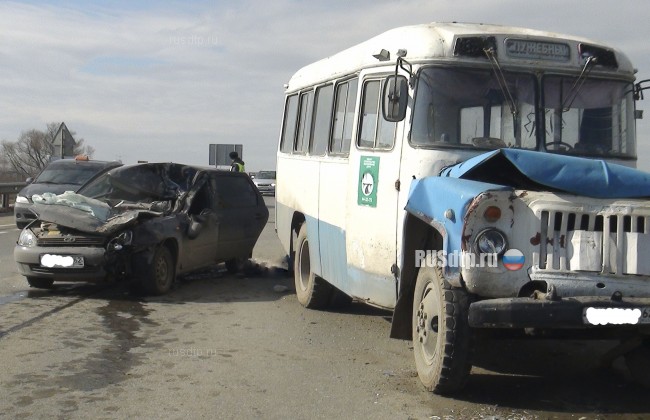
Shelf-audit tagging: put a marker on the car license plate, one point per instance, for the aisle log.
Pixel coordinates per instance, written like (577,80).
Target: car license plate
(616,316)
(66,261)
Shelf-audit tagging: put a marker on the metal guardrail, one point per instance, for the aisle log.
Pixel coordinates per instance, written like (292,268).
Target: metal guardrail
(7,190)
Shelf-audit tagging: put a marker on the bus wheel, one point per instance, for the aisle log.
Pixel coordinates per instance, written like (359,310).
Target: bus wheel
(312,291)
(441,334)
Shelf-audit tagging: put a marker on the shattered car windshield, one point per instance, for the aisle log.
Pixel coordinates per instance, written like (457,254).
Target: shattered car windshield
(142,183)
(595,118)
(456,107)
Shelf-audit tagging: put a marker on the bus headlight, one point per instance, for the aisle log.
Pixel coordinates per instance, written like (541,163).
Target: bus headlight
(491,241)
(27,238)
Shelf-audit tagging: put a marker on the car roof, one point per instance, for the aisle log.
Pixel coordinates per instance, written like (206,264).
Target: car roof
(169,165)
(72,162)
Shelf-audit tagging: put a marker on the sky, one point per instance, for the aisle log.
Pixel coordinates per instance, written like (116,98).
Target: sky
(161,80)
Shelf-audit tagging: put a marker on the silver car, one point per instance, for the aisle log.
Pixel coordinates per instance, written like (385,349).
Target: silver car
(265,182)
(57,177)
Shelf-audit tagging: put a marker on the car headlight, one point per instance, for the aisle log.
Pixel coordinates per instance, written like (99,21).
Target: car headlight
(120,241)
(27,238)
(273,184)
(491,241)
(21,199)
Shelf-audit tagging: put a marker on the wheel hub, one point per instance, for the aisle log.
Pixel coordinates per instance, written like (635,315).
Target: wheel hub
(427,323)
(304,265)
(161,271)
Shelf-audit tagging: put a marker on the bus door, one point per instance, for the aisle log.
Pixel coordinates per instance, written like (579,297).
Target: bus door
(333,174)
(371,225)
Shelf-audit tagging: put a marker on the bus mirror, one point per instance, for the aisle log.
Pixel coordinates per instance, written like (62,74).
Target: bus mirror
(395,98)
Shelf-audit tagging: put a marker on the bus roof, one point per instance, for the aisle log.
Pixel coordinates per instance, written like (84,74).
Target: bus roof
(437,40)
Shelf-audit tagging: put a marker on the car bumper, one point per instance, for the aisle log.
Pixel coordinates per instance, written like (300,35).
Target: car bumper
(22,213)
(266,190)
(28,262)
(559,313)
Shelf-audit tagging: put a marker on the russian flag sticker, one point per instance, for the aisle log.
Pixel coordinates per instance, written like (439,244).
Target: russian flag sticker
(513,259)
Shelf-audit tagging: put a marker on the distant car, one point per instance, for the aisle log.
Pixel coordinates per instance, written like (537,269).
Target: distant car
(265,182)
(57,177)
(143,223)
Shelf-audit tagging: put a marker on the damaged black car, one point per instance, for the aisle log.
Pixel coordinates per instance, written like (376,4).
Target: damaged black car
(146,224)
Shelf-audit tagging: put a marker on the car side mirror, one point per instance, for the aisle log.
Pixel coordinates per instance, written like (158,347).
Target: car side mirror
(395,98)
(195,227)
(29,180)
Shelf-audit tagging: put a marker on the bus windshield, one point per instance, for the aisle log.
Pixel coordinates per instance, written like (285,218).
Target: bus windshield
(459,107)
(592,117)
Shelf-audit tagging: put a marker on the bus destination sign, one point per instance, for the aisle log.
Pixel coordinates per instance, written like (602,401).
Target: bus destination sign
(537,50)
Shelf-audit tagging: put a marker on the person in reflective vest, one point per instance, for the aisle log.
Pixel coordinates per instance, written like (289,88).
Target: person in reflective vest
(237,164)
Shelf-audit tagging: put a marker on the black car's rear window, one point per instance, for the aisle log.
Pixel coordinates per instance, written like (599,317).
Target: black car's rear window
(235,191)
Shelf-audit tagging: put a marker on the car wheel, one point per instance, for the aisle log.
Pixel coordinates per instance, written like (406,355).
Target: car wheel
(312,291)
(235,265)
(160,275)
(40,282)
(441,334)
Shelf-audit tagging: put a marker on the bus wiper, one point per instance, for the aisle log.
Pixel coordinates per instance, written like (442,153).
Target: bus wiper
(503,85)
(577,85)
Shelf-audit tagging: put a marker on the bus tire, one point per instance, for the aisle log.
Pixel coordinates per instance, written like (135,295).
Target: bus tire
(338,299)
(441,334)
(312,291)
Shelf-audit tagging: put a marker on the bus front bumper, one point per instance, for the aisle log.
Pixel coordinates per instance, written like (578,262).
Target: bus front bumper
(560,313)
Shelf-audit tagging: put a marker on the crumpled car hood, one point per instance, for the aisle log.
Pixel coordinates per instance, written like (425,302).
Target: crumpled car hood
(135,193)
(86,215)
(525,169)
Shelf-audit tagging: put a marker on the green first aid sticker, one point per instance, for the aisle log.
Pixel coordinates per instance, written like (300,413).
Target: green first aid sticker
(368,181)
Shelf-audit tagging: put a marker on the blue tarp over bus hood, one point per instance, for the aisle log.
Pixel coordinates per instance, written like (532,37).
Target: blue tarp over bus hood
(430,198)
(525,169)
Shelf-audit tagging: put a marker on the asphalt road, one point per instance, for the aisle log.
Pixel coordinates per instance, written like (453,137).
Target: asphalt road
(221,346)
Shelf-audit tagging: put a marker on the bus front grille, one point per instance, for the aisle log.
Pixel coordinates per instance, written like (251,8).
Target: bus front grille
(609,242)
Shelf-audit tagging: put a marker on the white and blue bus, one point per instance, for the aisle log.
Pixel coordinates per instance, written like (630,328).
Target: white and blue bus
(406,159)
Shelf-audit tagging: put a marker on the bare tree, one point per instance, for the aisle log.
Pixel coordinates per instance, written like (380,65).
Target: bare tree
(7,173)
(29,154)
(33,150)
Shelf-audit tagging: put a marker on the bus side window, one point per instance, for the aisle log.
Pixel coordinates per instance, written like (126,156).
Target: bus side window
(322,119)
(346,98)
(375,131)
(289,125)
(304,122)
